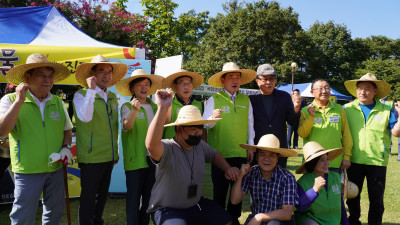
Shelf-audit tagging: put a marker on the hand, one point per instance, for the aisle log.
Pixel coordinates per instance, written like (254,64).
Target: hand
(232,173)
(91,82)
(311,110)
(296,99)
(255,220)
(65,153)
(318,183)
(135,104)
(244,169)
(20,91)
(250,155)
(164,97)
(216,113)
(345,164)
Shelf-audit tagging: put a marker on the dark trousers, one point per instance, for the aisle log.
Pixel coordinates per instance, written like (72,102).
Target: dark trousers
(221,185)
(4,164)
(139,184)
(292,129)
(376,179)
(95,181)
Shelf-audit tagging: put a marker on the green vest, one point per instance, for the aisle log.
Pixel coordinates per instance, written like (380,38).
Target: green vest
(371,141)
(133,140)
(97,140)
(33,140)
(327,129)
(326,209)
(169,132)
(231,131)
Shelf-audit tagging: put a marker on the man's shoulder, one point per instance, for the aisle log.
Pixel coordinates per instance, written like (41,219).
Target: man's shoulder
(284,173)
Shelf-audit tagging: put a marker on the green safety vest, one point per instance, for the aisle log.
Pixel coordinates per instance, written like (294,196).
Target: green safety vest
(169,132)
(133,140)
(33,140)
(97,140)
(326,209)
(371,140)
(231,131)
(327,129)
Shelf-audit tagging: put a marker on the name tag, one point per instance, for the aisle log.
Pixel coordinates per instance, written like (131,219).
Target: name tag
(334,119)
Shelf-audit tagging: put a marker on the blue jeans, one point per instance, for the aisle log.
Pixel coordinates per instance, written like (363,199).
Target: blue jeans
(28,188)
(292,129)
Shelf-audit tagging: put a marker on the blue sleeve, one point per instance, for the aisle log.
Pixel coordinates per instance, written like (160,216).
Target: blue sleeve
(305,198)
(392,120)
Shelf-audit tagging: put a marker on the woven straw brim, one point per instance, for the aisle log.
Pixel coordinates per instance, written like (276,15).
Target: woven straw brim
(197,79)
(332,154)
(193,123)
(284,152)
(15,75)
(383,87)
(246,76)
(83,72)
(122,87)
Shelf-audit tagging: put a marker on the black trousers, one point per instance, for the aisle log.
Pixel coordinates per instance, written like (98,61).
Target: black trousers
(139,184)
(221,185)
(376,179)
(95,181)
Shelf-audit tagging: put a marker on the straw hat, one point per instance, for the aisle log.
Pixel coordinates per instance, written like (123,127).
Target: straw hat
(270,142)
(190,115)
(15,75)
(122,87)
(383,87)
(350,189)
(197,79)
(246,75)
(83,70)
(312,150)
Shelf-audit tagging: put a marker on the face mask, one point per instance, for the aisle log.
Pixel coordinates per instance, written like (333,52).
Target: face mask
(193,140)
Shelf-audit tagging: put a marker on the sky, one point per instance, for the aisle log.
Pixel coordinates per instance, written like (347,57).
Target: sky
(362,17)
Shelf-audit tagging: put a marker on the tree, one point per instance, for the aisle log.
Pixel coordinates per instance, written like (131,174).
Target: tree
(249,35)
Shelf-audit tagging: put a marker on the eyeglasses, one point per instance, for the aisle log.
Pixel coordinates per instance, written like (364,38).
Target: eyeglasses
(271,79)
(365,89)
(185,84)
(103,72)
(323,88)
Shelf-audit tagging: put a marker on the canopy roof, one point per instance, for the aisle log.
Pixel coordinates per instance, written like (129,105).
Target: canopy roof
(305,90)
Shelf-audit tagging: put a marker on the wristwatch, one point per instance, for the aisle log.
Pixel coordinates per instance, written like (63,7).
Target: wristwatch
(67,146)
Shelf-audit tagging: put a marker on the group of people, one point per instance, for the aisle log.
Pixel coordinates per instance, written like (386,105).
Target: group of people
(165,154)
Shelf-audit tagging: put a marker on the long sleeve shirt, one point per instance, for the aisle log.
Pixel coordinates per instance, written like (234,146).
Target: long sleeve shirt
(84,106)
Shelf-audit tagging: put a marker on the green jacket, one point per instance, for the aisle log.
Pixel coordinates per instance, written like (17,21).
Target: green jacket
(326,209)
(169,132)
(231,131)
(371,140)
(133,140)
(33,140)
(97,140)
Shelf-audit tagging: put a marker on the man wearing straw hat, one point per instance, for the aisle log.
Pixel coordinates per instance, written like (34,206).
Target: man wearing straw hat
(273,108)
(322,119)
(273,189)
(96,114)
(39,126)
(371,124)
(236,127)
(176,195)
(182,83)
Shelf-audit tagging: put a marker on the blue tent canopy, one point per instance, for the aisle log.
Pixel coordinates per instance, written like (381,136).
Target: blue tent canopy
(305,89)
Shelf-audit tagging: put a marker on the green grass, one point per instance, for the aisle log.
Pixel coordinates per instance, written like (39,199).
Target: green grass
(114,212)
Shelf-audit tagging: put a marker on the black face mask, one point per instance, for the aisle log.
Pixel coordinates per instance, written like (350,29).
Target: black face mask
(193,140)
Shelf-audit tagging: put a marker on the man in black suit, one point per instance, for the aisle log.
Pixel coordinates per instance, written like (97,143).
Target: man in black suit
(273,108)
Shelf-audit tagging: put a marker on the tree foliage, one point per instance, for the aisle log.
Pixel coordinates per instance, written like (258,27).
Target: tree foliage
(248,34)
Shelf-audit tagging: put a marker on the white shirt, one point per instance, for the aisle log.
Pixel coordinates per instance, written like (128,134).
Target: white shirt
(84,106)
(208,112)
(147,107)
(5,104)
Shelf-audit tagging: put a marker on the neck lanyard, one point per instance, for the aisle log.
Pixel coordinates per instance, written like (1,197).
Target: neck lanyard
(188,161)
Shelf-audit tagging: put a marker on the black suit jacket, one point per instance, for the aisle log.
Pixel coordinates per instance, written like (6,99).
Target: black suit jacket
(282,112)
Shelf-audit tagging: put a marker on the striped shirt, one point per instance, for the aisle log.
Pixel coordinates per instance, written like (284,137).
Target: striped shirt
(270,195)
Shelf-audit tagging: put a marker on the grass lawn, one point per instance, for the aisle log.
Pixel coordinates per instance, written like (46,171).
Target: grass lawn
(114,212)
